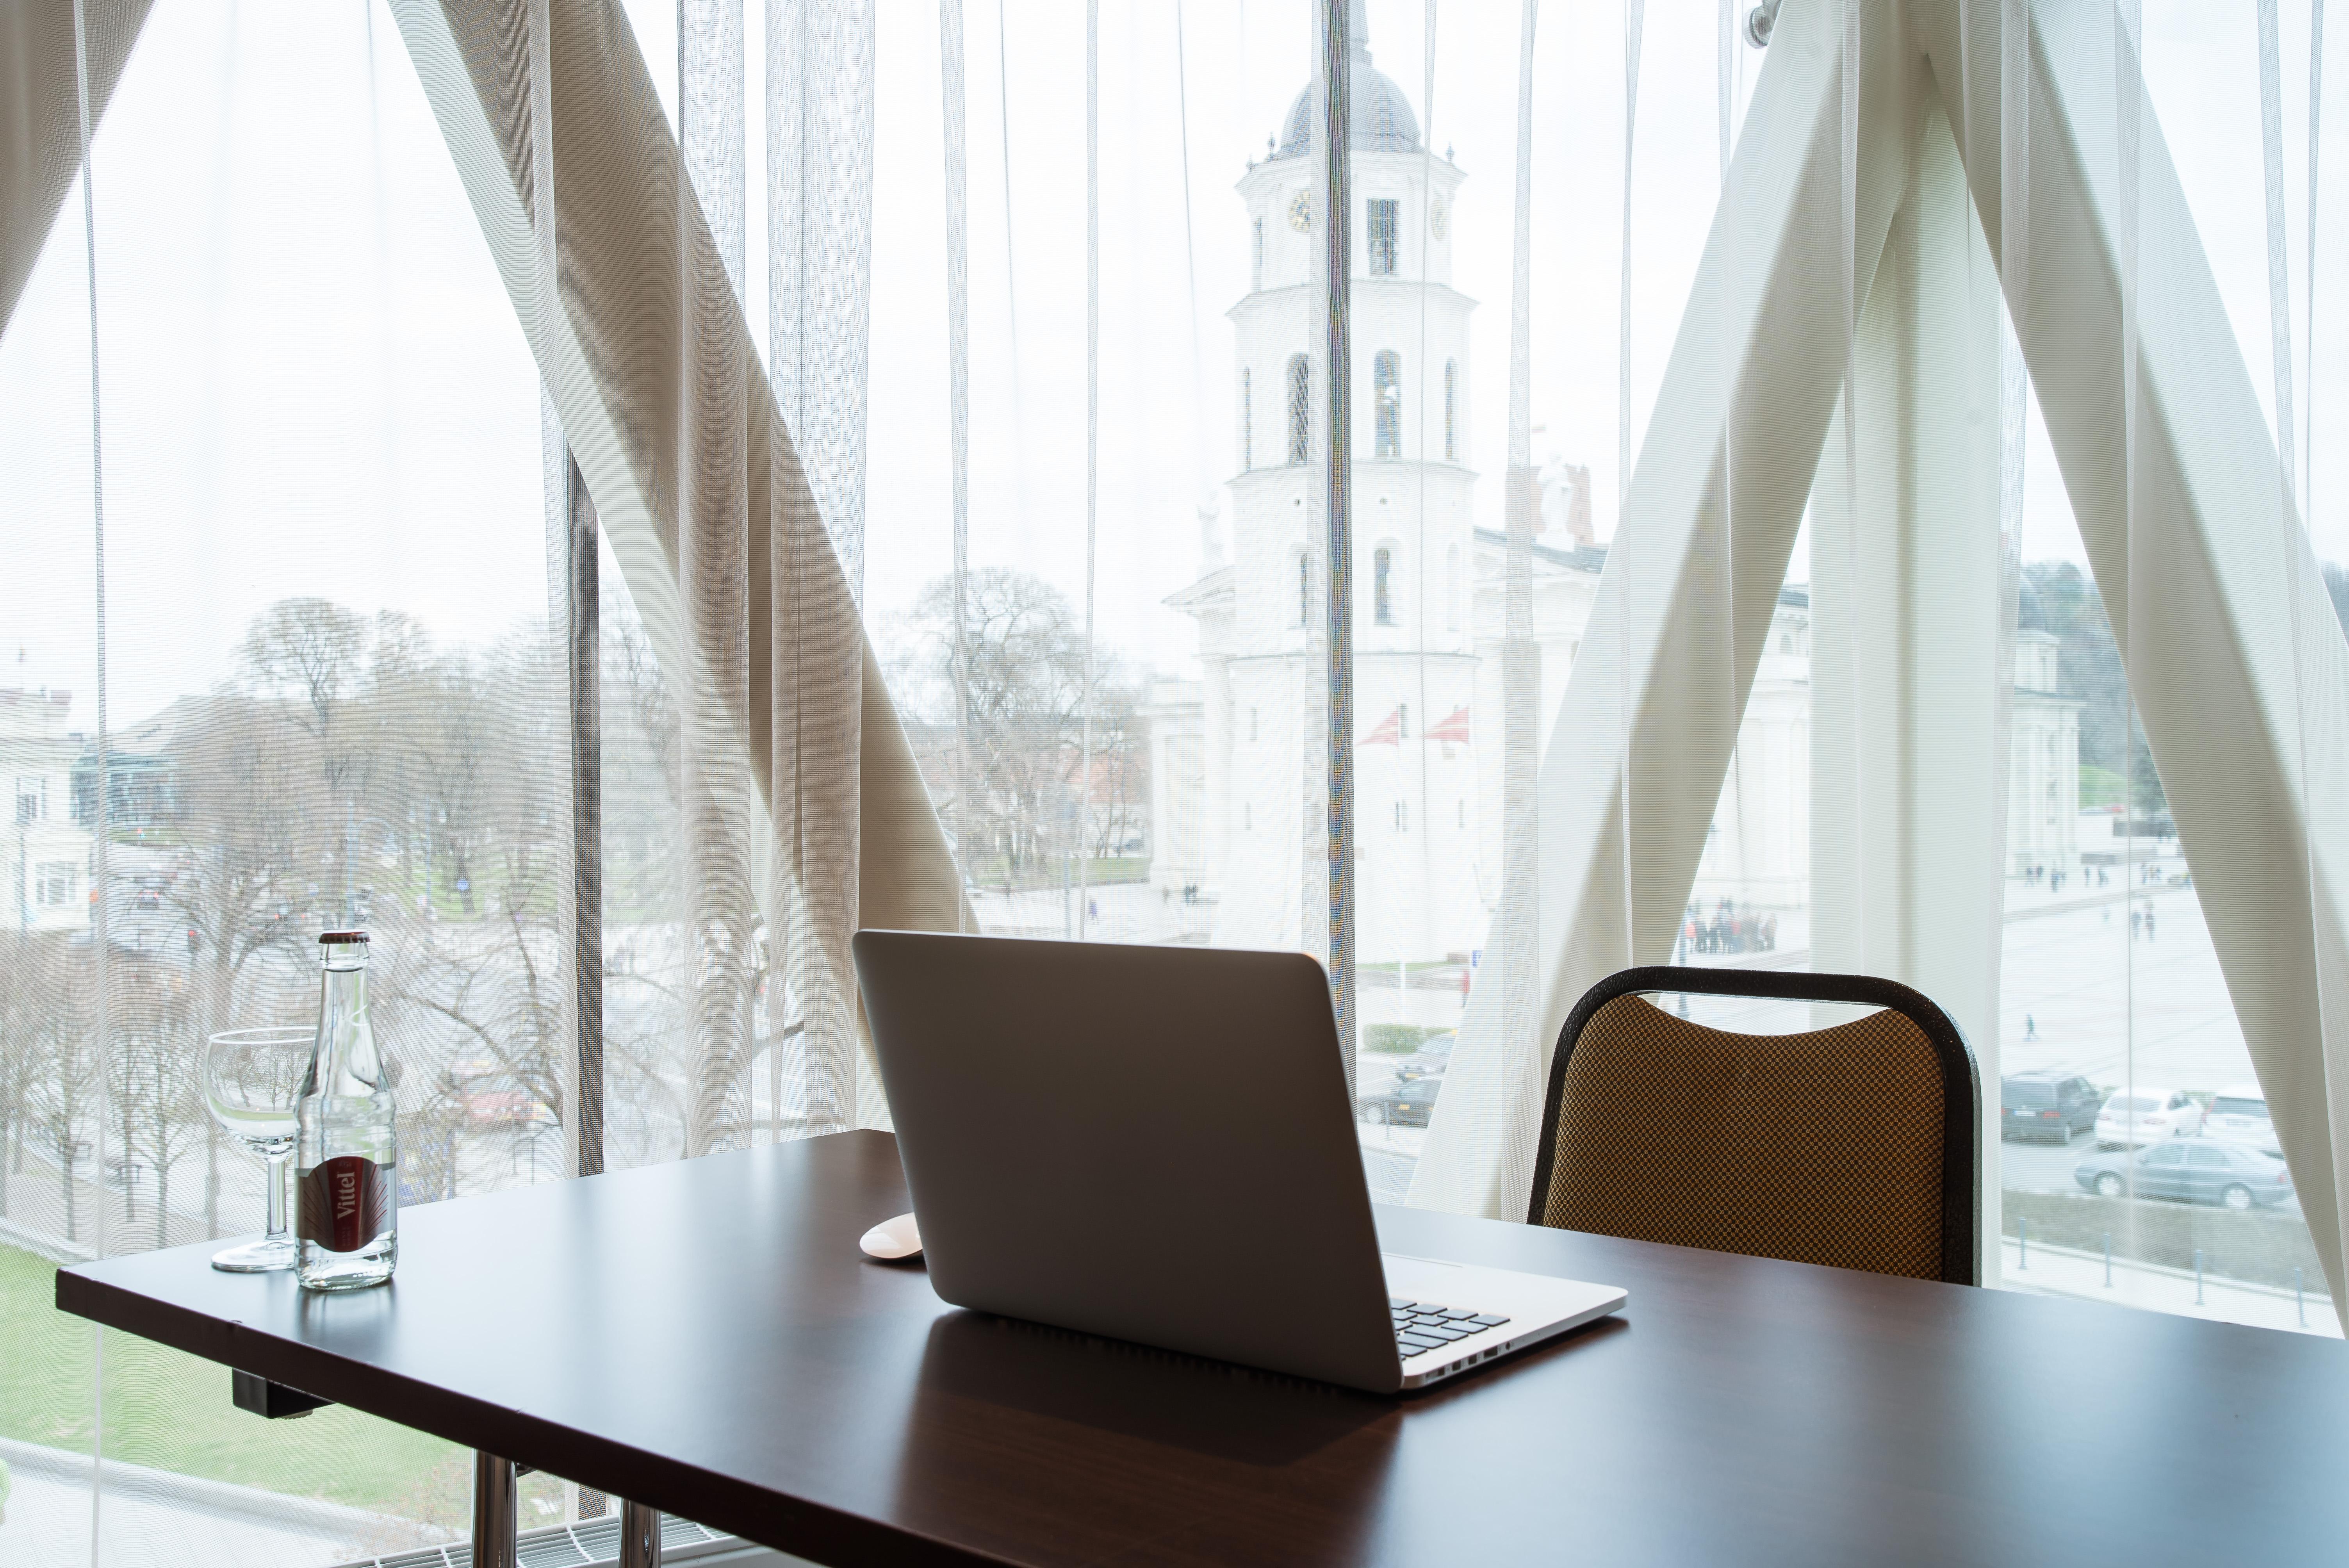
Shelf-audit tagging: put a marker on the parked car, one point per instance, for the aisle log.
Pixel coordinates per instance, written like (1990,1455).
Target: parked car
(1407,1102)
(2240,1115)
(2145,1115)
(2048,1105)
(1434,1054)
(2201,1171)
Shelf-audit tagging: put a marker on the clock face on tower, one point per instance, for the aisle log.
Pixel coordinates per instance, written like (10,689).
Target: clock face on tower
(1300,212)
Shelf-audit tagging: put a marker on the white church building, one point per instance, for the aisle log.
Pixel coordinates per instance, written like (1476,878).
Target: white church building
(1229,791)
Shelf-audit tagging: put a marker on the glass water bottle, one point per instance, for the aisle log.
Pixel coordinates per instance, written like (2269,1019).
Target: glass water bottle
(346,1221)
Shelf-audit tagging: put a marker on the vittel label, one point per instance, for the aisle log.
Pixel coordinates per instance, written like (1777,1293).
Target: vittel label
(344,1203)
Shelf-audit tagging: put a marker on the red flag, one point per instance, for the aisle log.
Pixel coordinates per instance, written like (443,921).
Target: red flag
(1454,731)
(1387,733)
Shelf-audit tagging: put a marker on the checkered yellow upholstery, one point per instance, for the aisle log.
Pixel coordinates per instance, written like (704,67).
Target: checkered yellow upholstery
(1821,1147)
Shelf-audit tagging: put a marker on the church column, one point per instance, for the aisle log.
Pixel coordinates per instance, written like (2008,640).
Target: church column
(1909,776)
(1216,703)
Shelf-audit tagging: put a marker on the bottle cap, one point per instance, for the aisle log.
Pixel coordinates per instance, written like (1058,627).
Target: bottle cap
(325,937)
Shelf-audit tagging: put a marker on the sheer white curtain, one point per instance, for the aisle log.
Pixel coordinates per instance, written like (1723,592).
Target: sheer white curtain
(737,530)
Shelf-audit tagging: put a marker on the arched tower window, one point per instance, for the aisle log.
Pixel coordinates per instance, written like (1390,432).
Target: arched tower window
(1304,587)
(1301,408)
(1248,423)
(1257,276)
(1386,397)
(1451,383)
(1383,585)
(1385,228)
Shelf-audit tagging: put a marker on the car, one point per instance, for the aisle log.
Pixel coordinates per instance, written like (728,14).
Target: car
(2146,1115)
(2049,1105)
(1434,1055)
(2199,1171)
(1406,1102)
(2240,1115)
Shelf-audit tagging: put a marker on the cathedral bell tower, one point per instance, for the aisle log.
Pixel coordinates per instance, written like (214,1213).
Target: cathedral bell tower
(1416,779)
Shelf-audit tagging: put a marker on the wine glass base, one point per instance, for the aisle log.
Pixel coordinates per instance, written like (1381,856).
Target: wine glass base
(264,1257)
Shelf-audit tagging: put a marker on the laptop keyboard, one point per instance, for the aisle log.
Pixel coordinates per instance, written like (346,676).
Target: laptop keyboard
(1421,1326)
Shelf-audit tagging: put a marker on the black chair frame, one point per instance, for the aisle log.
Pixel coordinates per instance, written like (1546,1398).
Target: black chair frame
(1960,1077)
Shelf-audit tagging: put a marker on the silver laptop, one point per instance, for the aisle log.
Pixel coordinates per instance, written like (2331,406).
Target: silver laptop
(1154,1144)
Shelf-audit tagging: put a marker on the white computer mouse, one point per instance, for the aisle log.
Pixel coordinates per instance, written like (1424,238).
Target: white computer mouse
(893,1240)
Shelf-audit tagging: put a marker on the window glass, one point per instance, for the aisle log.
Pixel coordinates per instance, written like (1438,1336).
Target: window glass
(1300,409)
(1248,423)
(1451,391)
(331,700)
(1382,230)
(2109,966)
(1386,404)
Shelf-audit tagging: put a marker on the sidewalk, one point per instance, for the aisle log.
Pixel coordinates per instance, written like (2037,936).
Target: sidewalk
(2066,1270)
(36,1204)
(152,1516)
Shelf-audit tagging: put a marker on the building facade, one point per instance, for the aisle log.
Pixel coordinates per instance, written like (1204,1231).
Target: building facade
(2043,804)
(45,854)
(1232,791)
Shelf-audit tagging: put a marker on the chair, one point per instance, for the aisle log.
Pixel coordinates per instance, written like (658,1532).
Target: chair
(1852,1145)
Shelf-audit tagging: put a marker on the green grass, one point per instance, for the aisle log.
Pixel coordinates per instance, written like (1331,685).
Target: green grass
(2102,787)
(1101,871)
(1400,1039)
(172,1412)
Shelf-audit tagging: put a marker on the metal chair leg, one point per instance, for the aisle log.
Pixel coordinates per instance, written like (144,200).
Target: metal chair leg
(640,1536)
(493,1512)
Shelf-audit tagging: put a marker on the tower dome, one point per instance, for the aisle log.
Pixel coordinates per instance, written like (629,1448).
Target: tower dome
(2029,614)
(1378,114)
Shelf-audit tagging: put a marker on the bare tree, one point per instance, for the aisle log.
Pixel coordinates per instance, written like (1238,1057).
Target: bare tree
(22,1051)
(245,809)
(314,652)
(683,1011)
(60,1019)
(482,745)
(1026,689)
(154,1073)
(1117,798)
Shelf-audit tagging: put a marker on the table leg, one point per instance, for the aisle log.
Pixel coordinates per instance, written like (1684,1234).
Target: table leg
(493,1512)
(640,1539)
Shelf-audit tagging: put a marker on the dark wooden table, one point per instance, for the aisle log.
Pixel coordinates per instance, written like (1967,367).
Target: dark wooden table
(704,1337)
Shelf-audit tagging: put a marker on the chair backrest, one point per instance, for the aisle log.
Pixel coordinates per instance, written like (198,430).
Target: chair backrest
(1852,1145)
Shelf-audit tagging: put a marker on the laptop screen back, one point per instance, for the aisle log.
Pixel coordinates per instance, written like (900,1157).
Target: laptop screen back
(1150,1143)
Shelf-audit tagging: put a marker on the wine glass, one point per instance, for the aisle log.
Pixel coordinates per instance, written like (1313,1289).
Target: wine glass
(253,1078)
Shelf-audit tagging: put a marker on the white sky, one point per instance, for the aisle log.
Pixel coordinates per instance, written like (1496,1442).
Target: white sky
(314,384)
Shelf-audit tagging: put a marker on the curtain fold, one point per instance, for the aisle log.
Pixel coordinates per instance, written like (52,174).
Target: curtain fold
(812,781)
(820,215)
(40,133)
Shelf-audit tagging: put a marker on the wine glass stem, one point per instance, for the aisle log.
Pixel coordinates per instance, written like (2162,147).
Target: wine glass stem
(277,1196)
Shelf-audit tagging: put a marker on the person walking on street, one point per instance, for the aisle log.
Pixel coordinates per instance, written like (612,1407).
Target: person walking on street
(2030,1028)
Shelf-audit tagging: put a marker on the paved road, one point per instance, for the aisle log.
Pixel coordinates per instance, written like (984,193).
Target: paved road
(2045,1167)
(2077,994)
